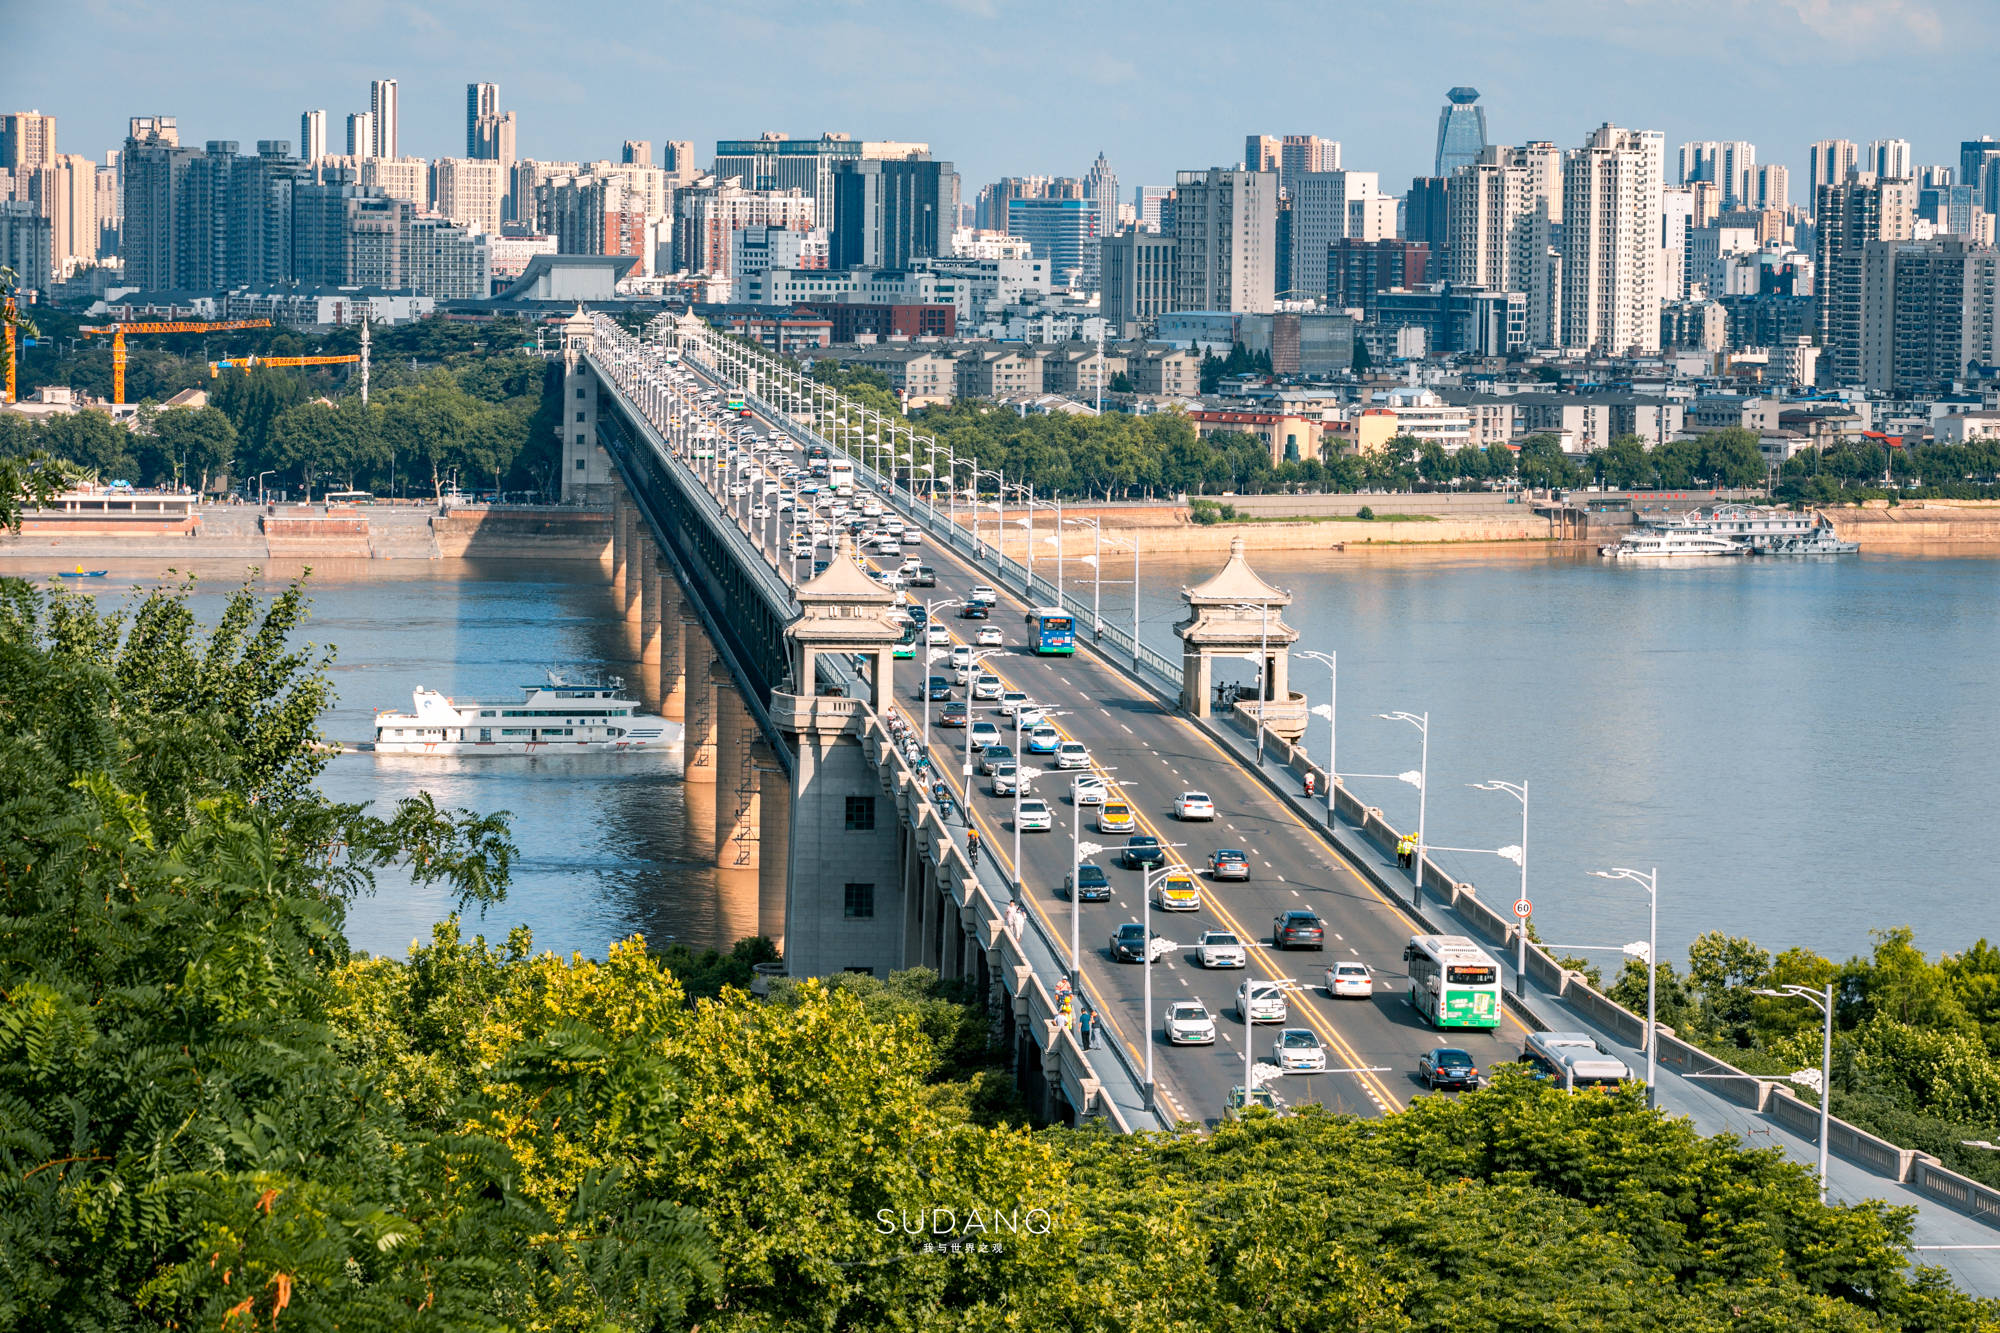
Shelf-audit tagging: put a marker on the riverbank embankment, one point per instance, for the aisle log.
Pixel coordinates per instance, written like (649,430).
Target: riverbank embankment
(1917,525)
(372,532)
(1171,527)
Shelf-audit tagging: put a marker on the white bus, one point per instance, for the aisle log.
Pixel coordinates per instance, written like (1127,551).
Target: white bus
(1453,982)
(840,473)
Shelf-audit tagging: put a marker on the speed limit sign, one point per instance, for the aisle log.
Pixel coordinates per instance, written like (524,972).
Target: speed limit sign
(1522,908)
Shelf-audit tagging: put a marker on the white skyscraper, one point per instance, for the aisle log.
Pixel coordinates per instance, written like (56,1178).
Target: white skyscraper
(361,134)
(1101,185)
(1829,161)
(1889,159)
(1729,163)
(1612,206)
(312,136)
(1225,239)
(382,106)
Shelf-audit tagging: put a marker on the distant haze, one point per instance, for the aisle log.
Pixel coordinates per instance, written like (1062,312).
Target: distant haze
(1028,86)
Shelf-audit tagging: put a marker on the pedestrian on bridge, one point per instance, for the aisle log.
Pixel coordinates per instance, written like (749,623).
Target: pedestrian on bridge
(1084,1027)
(1406,850)
(972,847)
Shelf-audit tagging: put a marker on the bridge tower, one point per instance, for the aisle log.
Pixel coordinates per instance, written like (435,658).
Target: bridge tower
(844,887)
(1236,614)
(587,475)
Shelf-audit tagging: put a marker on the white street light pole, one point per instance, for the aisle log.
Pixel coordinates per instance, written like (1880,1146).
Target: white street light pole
(1422,722)
(1078,849)
(1821,1000)
(977,658)
(1332,661)
(1519,791)
(1650,882)
(1021,780)
(1146,942)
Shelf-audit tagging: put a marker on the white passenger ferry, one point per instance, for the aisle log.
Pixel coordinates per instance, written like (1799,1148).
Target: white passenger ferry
(1730,530)
(562,717)
(1663,544)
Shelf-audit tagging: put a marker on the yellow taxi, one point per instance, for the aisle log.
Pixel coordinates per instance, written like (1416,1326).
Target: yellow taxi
(1178,892)
(1115,817)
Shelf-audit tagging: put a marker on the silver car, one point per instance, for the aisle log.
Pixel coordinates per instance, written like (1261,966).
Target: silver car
(1298,1051)
(1221,948)
(1189,1024)
(1260,1002)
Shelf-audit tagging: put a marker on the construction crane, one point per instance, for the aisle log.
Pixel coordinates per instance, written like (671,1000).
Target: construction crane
(215,368)
(118,332)
(7,318)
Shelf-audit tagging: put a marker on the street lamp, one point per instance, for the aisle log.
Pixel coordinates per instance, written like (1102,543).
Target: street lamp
(977,658)
(1021,778)
(1650,882)
(1326,711)
(1078,849)
(1823,1001)
(1263,669)
(1422,722)
(1519,856)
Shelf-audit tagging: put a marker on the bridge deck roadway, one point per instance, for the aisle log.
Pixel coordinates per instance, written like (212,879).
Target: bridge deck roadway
(1149,754)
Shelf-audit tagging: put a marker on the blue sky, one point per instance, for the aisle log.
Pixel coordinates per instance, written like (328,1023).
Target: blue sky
(1007,87)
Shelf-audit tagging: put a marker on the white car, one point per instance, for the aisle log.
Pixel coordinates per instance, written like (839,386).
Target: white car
(1189,1024)
(1193,805)
(1219,948)
(1006,777)
(936,635)
(913,537)
(989,637)
(984,594)
(888,548)
(1012,702)
(1297,1051)
(1350,981)
(760,512)
(987,687)
(961,655)
(1035,815)
(983,735)
(1088,790)
(1072,754)
(1261,1002)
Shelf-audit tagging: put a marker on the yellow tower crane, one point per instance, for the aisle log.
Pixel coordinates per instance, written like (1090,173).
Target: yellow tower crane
(118,332)
(247,363)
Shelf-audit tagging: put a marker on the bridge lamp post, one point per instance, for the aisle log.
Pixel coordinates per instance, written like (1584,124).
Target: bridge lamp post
(1650,882)
(1078,849)
(1000,507)
(1153,877)
(1326,711)
(931,608)
(1422,722)
(1821,1000)
(1519,856)
(1021,776)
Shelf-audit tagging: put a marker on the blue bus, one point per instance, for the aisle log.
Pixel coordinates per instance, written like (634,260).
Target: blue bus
(1054,632)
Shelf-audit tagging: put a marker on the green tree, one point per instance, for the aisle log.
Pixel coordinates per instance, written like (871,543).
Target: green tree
(189,444)
(1544,466)
(91,440)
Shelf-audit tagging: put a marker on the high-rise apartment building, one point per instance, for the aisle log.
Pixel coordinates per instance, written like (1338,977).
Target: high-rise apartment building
(1730,164)
(1148,201)
(481,101)
(706,215)
(1611,240)
(1851,213)
(1301,153)
(447,261)
(1828,162)
(312,135)
(1501,215)
(888,213)
(361,134)
(27,140)
(1263,152)
(1358,271)
(65,192)
(385,118)
(27,243)
(470,191)
(636,153)
(1889,159)
(155,169)
(1977,163)
(1226,240)
(682,169)
(1461,136)
(1928,313)
(1137,279)
(1329,206)
(1774,187)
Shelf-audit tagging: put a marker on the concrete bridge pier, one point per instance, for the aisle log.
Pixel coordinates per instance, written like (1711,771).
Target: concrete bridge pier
(651,579)
(638,539)
(738,789)
(698,714)
(674,614)
(621,548)
(775,831)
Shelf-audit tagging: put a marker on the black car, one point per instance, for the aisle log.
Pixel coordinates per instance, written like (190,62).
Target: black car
(940,688)
(954,714)
(1129,944)
(972,611)
(1298,929)
(1447,1067)
(1143,852)
(1088,884)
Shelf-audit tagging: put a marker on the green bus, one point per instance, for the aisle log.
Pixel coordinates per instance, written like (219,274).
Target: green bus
(1453,982)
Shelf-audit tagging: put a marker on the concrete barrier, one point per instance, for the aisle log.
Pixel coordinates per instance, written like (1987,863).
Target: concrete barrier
(1968,1196)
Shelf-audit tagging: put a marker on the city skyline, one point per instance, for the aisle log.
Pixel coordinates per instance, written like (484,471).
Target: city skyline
(1128,93)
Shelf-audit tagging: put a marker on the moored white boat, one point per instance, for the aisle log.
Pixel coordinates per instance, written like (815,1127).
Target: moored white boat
(562,717)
